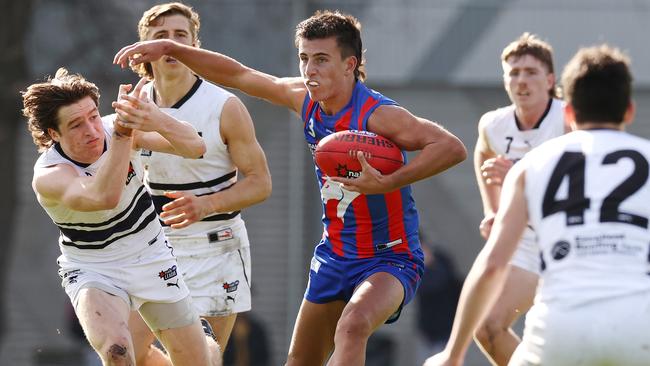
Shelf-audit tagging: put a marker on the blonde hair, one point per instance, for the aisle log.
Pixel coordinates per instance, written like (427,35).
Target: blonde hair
(153,16)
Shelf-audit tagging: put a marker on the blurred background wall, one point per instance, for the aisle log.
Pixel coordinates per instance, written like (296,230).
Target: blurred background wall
(439,58)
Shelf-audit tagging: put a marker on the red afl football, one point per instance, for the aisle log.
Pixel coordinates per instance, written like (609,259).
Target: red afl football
(336,154)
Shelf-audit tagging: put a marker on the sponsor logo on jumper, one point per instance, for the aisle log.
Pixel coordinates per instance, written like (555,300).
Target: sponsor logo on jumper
(168,273)
(220,235)
(145,152)
(230,287)
(88,174)
(607,244)
(230,298)
(130,174)
(170,284)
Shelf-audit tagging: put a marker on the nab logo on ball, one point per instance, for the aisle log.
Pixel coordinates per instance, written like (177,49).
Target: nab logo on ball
(336,154)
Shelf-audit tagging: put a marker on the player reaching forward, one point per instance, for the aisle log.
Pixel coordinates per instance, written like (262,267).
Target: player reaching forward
(586,195)
(201,198)
(369,262)
(114,254)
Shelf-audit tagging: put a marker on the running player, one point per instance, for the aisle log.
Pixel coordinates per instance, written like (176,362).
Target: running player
(114,254)
(368,263)
(505,136)
(201,198)
(586,195)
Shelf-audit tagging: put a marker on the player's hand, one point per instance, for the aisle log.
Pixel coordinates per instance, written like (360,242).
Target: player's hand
(184,210)
(370,181)
(486,226)
(441,359)
(146,51)
(138,112)
(121,129)
(494,170)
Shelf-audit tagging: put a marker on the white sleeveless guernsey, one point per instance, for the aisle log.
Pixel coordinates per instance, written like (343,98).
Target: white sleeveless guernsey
(213,172)
(594,239)
(505,137)
(106,235)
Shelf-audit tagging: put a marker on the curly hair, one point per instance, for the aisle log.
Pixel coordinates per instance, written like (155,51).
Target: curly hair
(153,16)
(42,102)
(346,29)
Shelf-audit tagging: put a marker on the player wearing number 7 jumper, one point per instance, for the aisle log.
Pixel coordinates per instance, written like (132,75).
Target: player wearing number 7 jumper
(505,136)
(586,195)
(369,262)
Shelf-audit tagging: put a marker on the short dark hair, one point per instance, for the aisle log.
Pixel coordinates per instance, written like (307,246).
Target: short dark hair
(42,101)
(346,29)
(597,83)
(531,44)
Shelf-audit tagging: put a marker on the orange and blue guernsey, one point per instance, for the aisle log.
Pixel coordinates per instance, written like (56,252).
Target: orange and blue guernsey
(357,225)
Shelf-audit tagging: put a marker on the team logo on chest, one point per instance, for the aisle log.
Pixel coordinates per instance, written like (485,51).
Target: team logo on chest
(130,174)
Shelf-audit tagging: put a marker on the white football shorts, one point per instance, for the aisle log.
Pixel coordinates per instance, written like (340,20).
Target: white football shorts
(527,254)
(608,332)
(219,281)
(152,276)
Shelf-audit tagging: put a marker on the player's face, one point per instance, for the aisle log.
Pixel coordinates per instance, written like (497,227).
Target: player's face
(81,133)
(527,81)
(323,69)
(177,28)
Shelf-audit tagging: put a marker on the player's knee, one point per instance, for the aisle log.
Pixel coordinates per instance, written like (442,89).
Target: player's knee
(354,324)
(117,353)
(487,332)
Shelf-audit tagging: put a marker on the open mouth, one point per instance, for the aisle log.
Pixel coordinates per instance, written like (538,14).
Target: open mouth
(312,83)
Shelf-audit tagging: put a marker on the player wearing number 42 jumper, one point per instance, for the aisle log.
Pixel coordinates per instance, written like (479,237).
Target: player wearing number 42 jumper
(586,195)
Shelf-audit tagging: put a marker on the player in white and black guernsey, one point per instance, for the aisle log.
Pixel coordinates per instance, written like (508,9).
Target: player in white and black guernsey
(505,136)
(586,195)
(114,255)
(209,236)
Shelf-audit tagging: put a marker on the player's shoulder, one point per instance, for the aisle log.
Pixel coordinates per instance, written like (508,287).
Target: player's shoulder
(208,88)
(496,116)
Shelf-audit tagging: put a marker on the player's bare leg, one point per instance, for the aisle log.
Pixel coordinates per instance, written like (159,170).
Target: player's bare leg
(313,335)
(222,327)
(373,301)
(146,353)
(495,336)
(104,318)
(189,346)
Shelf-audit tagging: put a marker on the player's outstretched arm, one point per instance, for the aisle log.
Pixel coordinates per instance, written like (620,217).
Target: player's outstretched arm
(247,155)
(438,149)
(220,69)
(155,129)
(488,273)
